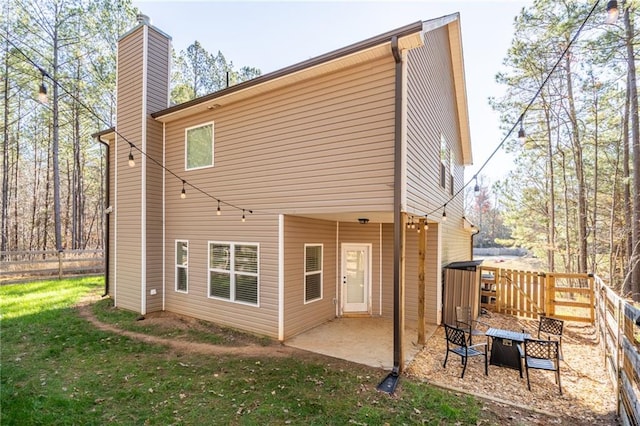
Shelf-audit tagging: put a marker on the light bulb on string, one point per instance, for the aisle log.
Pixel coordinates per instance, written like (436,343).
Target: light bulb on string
(183,194)
(243,218)
(476,188)
(522,136)
(444,213)
(42,93)
(218,212)
(131,160)
(426,224)
(612,12)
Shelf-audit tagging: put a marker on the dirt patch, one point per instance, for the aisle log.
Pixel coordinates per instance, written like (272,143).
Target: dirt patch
(587,398)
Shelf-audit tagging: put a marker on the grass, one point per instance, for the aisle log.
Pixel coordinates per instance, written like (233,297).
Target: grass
(58,369)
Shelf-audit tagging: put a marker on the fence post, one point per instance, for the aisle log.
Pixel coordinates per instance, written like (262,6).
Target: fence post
(60,265)
(619,350)
(550,294)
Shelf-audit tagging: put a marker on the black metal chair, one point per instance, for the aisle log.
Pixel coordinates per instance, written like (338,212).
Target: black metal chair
(552,328)
(542,355)
(471,326)
(457,343)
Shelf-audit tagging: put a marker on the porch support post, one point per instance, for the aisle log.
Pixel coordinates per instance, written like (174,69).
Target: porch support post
(422,246)
(398,219)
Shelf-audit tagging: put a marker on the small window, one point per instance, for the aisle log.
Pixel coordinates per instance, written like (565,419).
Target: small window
(198,147)
(182,265)
(312,272)
(233,272)
(452,165)
(443,161)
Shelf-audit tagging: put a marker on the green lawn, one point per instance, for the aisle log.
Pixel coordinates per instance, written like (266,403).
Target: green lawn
(58,369)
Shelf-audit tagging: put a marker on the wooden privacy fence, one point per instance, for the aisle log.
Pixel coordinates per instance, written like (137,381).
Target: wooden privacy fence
(38,263)
(619,332)
(529,294)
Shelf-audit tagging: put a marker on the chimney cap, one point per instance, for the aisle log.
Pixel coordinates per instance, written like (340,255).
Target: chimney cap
(143,19)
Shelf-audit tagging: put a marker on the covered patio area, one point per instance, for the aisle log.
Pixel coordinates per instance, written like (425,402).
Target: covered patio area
(367,341)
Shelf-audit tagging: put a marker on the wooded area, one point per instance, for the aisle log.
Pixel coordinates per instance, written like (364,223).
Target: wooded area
(52,169)
(572,199)
(574,196)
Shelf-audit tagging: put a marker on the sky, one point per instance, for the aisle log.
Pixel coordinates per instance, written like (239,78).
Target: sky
(271,35)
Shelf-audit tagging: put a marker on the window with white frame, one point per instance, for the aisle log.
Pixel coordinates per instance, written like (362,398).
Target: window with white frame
(198,147)
(452,165)
(182,266)
(233,272)
(443,161)
(312,272)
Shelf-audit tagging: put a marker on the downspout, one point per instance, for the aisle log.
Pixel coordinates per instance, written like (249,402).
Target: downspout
(473,235)
(397,211)
(106,223)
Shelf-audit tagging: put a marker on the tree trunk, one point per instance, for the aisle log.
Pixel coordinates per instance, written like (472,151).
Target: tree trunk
(635,137)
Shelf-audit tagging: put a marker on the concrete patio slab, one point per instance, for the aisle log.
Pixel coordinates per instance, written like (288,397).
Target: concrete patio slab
(367,341)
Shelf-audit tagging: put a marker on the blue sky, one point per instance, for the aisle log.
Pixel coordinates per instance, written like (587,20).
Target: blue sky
(271,35)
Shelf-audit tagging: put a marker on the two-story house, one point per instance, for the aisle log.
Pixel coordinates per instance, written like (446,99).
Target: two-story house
(300,186)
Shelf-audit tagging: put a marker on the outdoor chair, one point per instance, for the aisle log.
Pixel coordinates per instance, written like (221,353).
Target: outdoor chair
(542,355)
(470,325)
(552,328)
(457,343)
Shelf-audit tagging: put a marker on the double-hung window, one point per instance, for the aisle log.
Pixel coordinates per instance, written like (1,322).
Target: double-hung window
(233,272)
(182,266)
(443,161)
(312,272)
(198,147)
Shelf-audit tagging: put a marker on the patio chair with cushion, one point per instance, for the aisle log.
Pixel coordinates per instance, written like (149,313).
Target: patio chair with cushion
(542,355)
(471,326)
(457,343)
(552,328)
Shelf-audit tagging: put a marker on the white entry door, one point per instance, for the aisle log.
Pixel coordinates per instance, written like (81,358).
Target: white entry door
(356,277)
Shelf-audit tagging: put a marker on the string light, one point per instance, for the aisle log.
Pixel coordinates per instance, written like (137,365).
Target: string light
(612,12)
(218,212)
(132,162)
(426,224)
(183,194)
(444,212)
(243,218)
(42,93)
(522,137)
(476,188)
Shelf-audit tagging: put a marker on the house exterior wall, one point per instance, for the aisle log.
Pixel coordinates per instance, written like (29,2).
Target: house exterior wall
(321,145)
(431,93)
(298,315)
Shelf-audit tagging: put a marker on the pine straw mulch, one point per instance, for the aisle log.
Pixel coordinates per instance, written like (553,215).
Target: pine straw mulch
(587,393)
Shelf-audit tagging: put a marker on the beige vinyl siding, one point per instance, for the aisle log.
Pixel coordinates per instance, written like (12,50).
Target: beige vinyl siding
(369,233)
(298,315)
(323,145)
(128,238)
(194,219)
(431,111)
(157,95)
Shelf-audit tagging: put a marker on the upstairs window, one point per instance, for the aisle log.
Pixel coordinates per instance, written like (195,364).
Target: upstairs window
(198,147)
(452,165)
(443,161)
(312,272)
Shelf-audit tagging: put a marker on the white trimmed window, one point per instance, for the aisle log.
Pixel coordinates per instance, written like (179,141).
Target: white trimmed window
(182,266)
(198,147)
(233,272)
(312,272)
(443,161)
(452,165)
